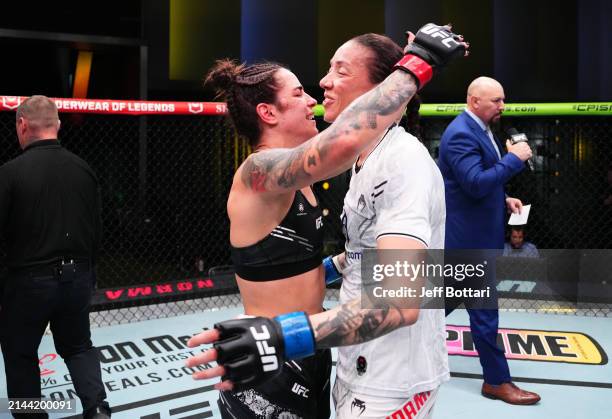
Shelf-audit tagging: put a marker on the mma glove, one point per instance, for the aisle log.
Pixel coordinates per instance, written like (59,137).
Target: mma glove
(253,350)
(433,47)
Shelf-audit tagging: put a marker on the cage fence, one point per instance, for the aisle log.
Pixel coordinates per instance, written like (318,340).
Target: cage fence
(165,178)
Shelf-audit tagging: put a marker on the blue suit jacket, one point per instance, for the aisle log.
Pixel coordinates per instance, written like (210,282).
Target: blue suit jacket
(474,179)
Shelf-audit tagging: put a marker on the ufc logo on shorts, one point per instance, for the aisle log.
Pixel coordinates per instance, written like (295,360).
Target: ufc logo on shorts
(433,31)
(268,359)
(300,390)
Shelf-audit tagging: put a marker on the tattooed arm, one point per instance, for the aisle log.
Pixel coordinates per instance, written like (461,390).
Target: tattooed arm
(349,324)
(353,322)
(359,125)
(334,150)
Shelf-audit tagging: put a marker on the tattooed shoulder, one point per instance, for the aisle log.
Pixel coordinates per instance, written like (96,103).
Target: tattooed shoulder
(282,169)
(254,174)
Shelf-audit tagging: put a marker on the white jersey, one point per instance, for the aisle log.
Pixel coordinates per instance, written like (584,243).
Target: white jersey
(397,191)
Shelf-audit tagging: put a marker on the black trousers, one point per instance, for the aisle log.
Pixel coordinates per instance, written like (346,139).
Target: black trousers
(31,300)
(300,391)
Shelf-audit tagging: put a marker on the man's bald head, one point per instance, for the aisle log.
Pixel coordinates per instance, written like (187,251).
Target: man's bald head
(37,119)
(482,85)
(485,98)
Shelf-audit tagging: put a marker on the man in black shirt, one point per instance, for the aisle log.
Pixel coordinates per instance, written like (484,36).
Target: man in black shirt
(50,220)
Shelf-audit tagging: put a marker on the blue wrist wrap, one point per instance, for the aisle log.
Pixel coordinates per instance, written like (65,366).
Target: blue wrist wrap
(331,272)
(297,334)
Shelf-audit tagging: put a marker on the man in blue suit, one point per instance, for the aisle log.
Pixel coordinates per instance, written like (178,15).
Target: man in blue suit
(475,173)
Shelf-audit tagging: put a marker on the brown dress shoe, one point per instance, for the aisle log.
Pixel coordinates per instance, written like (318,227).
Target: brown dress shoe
(509,393)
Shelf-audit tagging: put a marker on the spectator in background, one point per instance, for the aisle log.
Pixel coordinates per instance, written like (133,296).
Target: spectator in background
(518,247)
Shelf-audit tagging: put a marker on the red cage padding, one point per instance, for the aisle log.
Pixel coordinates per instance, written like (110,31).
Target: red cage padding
(123,107)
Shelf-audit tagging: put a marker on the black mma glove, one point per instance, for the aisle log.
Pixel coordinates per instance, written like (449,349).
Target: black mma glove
(433,47)
(253,350)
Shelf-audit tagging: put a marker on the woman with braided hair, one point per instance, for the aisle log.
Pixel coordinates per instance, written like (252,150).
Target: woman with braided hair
(276,232)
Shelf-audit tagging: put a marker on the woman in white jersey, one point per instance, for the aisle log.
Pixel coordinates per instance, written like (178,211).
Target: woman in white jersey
(403,209)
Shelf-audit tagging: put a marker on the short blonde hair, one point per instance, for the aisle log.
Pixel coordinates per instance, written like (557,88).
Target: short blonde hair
(40,111)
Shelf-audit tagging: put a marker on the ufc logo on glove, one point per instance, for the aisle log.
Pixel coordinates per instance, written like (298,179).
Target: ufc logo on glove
(435,32)
(268,360)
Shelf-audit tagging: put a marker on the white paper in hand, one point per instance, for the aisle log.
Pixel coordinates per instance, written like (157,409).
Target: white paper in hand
(520,219)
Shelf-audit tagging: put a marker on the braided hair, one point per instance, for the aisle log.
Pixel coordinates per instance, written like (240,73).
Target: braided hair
(243,87)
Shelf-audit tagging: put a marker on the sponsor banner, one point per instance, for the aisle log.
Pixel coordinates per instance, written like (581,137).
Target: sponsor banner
(123,107)
(143,107)
(527,109)
(532,345)
(516,109)
(187,288)
(143,367)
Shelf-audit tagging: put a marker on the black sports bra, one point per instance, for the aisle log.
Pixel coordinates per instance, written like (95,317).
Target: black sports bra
(291,248)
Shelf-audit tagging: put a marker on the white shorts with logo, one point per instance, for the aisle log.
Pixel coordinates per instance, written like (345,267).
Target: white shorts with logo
(352,405)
